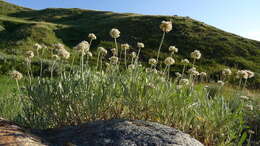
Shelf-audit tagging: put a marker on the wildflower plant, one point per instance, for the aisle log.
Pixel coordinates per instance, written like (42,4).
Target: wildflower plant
(136,92)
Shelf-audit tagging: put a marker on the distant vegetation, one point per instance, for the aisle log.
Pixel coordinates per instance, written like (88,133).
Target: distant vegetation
(57,81)
(21,28)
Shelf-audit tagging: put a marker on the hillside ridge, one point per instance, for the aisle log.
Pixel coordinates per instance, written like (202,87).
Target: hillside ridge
(21,28)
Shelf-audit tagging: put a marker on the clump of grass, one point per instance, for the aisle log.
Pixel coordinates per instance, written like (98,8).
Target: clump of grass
(98,93)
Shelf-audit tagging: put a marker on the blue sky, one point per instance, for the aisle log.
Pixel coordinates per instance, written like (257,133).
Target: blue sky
(241,17)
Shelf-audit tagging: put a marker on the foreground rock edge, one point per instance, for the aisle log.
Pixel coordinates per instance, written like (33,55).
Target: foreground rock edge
(116,132)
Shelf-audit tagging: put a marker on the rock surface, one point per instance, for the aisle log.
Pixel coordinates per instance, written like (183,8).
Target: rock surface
(108,133)
(13,135)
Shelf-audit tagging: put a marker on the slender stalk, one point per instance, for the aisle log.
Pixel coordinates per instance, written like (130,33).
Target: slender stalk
(101,62)
(158,54)
(125,59)
(82,64)
(98,59)
(244,85)
(193,63)
(52,69)
(138,53)
(240,81)
(183,70)
(18,87)
(90,42)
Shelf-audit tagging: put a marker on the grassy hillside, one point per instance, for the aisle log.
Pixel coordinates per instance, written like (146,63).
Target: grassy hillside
(20,28)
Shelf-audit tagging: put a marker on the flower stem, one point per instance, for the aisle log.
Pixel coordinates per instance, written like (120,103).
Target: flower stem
(125,59)
(158,54)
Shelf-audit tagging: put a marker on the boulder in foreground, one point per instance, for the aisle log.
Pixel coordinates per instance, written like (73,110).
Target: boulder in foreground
(99,133)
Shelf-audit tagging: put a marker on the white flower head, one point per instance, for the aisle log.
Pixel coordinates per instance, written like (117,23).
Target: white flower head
(92,36)
(59,46)
(16,75)
(221,83)
(102,50)
(184,82)
(140,45)
(114,51)
(203,74)
(227,72)
(63,53)
(193,71)
(133,55)
(83,47)
(195,54)
(152,61)
(242,74)
(37,46)
(131,67)
(169,61)
(178,74)
(173,49)
(185,61)
(166,26)
(56,57)
(29,54)
(244,97)
(250,73)
(89,54)
(125,46)
(115,33)
(113,59)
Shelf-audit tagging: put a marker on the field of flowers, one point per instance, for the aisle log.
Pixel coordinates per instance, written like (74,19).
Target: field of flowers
(80,89)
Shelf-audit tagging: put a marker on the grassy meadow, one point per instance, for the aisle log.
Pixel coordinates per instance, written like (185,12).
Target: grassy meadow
(62,87)
(207,85)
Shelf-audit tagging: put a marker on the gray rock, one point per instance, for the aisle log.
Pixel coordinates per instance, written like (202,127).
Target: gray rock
(120,133)
(98,133)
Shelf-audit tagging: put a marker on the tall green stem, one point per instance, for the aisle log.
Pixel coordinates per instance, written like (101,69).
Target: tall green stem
(158,54)
(82,64)
(125,59)
(98,59)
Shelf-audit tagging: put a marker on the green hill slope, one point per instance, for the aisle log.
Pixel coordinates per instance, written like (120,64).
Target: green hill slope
(20,28)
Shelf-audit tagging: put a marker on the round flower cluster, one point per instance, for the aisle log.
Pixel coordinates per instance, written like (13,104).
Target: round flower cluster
(173,49)
(63,53)
(193,71)
(152,61)
(56,57)
(184,82)
(115,33)
(185,61)
(29,54)
(114,51)
(140,45)
(89,54)
(16,75)
(221,83)
(59,46)
(244,97)
(133,55)
(203,74)
(131,67)
(37,46)
(178,75)
(195,54)
(125,46)
(83,47)
(169,61)
(113,59)
(92,36)
(245,74)
(150,70)
(166,26)
(102,50)
(227,72)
